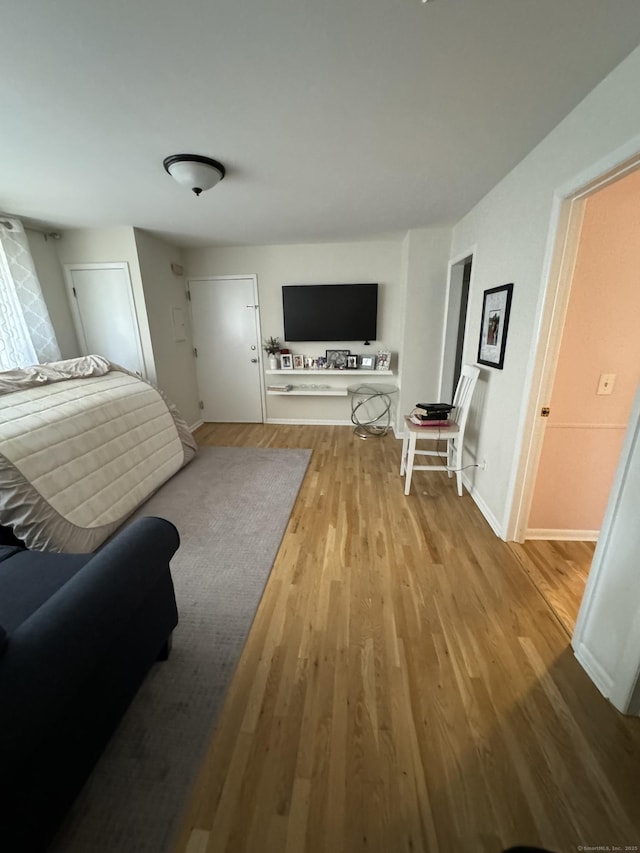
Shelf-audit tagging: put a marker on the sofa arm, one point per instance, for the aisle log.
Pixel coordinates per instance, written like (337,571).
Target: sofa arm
(51,655)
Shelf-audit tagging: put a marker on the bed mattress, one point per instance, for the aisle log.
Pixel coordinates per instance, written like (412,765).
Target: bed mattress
(79,454)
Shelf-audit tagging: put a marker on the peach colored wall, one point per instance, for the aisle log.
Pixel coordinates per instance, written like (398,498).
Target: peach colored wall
(601,335)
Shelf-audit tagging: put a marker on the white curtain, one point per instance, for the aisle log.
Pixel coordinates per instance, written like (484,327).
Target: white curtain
(26,334)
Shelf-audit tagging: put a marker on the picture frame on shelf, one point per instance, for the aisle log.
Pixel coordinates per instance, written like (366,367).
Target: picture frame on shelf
(352,362)
(337,358)
(286,361)
(496,308)
(308,362)
(321,362)
(298,362)
(383,360)
(367,362)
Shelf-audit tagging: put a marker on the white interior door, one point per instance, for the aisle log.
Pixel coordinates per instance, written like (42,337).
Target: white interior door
(226,335)
(103,310)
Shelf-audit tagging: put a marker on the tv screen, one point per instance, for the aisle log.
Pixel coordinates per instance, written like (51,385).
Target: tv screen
(330,312)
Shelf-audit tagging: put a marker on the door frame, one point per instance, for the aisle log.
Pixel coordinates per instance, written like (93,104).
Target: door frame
(256,305)
(565,229)
(75,311)
(455,271)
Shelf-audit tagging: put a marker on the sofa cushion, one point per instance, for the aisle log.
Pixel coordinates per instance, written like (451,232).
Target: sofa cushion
(28,579)
(7,551)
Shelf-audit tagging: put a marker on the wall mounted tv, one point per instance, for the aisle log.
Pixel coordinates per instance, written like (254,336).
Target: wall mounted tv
(330,312)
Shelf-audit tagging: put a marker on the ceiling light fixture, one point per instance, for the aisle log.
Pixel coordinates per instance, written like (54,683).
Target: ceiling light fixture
(194,171)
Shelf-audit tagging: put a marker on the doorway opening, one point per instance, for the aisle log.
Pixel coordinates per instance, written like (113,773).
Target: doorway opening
(455,325)
(588,337)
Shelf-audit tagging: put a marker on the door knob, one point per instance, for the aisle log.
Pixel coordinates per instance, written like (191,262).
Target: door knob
(254,361)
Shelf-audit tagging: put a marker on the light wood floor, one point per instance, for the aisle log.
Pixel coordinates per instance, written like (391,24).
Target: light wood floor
(405,685)
(559,570)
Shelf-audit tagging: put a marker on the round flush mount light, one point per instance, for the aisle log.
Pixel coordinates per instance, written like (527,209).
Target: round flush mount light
(194,171)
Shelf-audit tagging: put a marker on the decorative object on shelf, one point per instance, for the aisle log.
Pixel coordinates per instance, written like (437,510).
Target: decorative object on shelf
(337,358)
(194,171)
(496,307)
(272,347)
(298,362)
(352,362)
(367,362)
(286,361)
(383,360)
(371,405)
(309,361)
(321,362)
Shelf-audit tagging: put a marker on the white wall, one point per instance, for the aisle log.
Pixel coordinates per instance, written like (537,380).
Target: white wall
(164,290)
(514,230)
(47,264)
(426,254)
(375,261)
(103,245)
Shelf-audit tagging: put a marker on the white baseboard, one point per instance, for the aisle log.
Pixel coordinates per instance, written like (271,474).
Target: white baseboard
(492,521)
(307,422)
(563,535)
(593,669)
(194,427)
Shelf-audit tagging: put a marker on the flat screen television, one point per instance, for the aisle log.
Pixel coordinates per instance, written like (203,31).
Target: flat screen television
(330,312)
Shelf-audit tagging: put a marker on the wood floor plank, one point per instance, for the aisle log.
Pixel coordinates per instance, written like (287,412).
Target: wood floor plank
(408,684)
(559,570)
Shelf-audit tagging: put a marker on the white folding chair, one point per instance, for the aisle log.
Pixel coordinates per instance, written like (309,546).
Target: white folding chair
(452,434)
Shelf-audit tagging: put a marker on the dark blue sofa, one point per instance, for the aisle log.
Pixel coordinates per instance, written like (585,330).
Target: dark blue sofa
(78,634)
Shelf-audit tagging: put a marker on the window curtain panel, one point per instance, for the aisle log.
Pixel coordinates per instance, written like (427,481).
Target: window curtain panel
(26,333)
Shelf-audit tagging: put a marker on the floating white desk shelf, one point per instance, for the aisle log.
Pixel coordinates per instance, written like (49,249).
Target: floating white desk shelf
(322,376)
(327,373)
(309,390)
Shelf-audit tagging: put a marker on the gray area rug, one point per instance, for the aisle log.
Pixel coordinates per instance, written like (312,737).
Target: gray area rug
(231,506)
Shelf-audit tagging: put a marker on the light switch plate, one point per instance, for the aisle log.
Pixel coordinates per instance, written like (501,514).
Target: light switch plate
(605,384)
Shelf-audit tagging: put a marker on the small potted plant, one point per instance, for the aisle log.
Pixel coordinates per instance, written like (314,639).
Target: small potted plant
(272,347)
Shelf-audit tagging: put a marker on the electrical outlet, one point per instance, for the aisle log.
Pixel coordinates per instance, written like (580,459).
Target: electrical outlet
(483,465)
(605,383)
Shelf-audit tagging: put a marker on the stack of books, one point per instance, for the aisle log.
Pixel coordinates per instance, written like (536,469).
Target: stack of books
(431,414)
(280,387)
(428,422)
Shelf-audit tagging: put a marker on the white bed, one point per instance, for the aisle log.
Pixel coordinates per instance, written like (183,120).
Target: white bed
(82,444)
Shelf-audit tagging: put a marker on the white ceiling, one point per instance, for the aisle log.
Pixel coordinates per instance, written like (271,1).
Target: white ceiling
(336,120)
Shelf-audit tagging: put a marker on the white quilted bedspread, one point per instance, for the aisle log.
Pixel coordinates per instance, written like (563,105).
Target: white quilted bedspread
(93,448)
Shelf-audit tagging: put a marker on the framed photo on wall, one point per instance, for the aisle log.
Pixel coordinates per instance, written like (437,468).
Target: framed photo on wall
(496,307)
